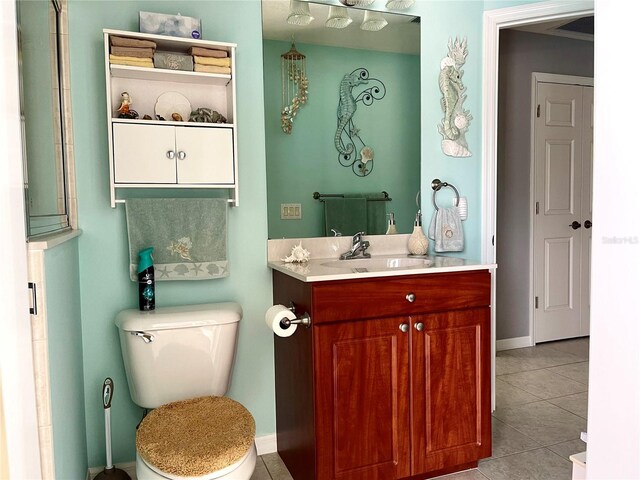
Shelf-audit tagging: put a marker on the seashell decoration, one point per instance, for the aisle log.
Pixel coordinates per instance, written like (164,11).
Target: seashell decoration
(298,255)
(366,154)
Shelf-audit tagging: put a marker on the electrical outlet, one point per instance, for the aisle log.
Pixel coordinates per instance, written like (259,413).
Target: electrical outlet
(290,211)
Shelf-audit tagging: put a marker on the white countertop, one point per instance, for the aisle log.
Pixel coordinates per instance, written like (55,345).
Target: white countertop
(317,270)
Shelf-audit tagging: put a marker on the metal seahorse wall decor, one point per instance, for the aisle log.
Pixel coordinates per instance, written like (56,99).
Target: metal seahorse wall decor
(456,119)
(347,136)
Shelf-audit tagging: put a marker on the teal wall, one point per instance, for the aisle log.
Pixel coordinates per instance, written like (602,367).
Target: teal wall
(106,288)
(62,280)
(441,20)
(307,161)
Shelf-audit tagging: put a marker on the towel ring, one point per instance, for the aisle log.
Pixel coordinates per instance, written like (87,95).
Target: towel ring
(436,185)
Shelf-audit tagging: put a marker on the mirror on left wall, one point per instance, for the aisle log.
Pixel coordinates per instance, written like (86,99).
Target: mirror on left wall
(42,115)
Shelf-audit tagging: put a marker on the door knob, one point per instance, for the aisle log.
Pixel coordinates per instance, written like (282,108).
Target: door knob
(411,297)
(404,327)
(575,225)
(588,224)
(181,155)
(419,326)
(171,154)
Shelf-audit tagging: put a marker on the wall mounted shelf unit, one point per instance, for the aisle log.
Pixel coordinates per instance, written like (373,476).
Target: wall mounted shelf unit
(171,154)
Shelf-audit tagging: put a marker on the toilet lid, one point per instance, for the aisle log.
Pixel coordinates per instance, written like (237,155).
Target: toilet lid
(195,437)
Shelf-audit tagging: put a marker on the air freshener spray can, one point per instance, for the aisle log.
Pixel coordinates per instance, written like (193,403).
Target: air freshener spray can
(146,281)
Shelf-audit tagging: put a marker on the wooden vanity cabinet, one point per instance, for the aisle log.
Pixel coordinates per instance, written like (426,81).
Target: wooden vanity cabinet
(382,387)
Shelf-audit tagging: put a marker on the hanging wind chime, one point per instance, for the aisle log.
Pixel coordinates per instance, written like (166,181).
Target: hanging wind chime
(295,85)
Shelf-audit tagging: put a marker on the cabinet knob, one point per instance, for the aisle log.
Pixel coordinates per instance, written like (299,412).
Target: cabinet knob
(411,297)
(171,154)
(181,155)
(418,326)
(404,327)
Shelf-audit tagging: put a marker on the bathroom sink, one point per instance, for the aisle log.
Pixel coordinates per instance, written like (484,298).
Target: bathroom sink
(380,263)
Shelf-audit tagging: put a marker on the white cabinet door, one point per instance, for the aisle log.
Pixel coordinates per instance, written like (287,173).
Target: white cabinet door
(144,153)
(205,155)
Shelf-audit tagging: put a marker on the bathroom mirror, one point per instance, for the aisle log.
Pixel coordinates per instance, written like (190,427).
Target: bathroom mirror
(306,160)
(42,117)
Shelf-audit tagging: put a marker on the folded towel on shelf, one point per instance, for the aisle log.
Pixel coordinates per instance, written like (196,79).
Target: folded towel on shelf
(446,231)
(136,52)
(131,42)
(123,58)
(216,62)
(346,215)
(211,69)
(208,52)
(189,236)
(131,63)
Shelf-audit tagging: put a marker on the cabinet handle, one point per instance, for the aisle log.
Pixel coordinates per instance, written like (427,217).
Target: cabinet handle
(181,155)
(419,326)
(171,154)
(411,297)
(404,327)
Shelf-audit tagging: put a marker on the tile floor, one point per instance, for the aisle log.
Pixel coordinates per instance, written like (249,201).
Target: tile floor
(541,408)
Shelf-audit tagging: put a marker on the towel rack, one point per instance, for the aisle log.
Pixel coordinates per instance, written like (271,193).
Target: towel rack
(436,185)
(319,196)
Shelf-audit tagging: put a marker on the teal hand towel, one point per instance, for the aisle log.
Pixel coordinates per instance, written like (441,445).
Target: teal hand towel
(346,215)
(188,235)
(376,214)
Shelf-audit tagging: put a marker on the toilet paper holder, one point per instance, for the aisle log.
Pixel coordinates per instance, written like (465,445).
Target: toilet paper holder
(304,319)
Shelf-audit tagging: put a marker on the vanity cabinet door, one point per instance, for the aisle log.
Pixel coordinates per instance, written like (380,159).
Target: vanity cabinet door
(205,155)
(362,400)
(451,389)
(144,153)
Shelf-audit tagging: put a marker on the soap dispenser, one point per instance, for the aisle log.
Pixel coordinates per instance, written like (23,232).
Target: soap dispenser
(418,242)
(391,227)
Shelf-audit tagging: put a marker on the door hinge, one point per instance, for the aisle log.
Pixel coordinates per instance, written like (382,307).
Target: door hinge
(34,299)
(538,111)
(536,302)
(537,208)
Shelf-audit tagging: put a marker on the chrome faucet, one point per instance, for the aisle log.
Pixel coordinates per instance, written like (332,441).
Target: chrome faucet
(358,247)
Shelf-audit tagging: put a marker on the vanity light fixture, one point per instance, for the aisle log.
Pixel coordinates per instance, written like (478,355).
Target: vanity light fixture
(399,4)
(338,17)
(373,21)
(299,13)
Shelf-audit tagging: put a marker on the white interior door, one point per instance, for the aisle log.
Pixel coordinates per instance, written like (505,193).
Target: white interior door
(587,208)
(205,155)
(562,185)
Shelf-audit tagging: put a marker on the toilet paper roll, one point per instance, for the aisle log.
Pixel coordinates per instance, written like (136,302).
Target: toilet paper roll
(273,317)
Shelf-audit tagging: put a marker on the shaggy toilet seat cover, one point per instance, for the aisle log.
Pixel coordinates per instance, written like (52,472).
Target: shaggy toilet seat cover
(195,437)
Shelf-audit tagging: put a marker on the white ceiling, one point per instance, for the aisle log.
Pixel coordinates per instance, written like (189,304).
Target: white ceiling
(400,35)
(555,28)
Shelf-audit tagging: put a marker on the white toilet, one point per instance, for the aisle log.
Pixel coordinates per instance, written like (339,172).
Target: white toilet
(178,362)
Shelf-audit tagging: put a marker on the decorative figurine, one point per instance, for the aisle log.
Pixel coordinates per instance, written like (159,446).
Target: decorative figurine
(147,117)
(125,110)
(455,123)
(206,115)
(176,117)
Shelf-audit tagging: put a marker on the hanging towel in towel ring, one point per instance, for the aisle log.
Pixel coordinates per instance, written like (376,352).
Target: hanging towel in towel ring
(189,236)
(446,230)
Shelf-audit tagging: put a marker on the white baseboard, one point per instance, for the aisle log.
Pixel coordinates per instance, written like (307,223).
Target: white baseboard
(511,343)
(129,467)
(264,444)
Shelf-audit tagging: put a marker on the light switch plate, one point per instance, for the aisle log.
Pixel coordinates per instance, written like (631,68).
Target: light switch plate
(291,211)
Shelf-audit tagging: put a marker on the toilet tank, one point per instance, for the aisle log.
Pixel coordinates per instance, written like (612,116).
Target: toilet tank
(177,353)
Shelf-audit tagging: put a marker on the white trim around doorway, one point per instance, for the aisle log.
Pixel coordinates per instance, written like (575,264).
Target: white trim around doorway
(493,22)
